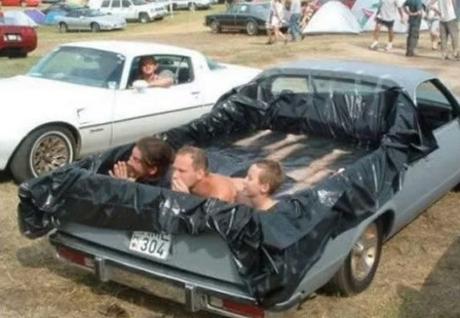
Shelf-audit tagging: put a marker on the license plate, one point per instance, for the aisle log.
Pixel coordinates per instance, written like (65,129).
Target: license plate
(152,244)
(12,37)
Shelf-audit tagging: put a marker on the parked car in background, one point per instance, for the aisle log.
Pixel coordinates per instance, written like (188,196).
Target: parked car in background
(134,10)
(22,3)
(89,19)
(80,100)
(248,17)
(16,40)
(191,4)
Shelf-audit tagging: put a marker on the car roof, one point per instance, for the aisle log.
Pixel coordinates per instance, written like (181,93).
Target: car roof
(404,77)
(130,49)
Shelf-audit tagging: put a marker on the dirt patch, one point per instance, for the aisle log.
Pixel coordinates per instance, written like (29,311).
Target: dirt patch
(419,272)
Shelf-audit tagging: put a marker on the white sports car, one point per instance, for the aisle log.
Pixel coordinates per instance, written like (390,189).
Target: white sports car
(80,99)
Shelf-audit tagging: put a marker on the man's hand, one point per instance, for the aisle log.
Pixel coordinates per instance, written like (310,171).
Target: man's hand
(179,186)
(120,170)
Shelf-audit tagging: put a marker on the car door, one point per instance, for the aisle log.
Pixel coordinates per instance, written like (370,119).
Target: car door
(142,112)
(227,19)
(116,8)
(71,19)
(105,6)
(430,177)
(241,17)
(129,11)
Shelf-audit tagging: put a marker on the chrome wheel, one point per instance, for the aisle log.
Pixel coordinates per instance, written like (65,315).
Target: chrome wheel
(364,253)
(215,27)
(251,28)
(50,151)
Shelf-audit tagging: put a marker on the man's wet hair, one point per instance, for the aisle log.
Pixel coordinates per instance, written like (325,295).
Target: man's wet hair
(271,174)
(199,157)
(156,152)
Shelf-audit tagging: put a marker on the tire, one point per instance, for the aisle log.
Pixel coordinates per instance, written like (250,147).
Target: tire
(215,26)
(95,27)
(143,17)
(42,151)
(192,6)
(63,27)
(360,266)
(251,28)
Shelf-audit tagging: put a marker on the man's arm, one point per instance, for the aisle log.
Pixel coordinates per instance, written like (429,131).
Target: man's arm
(161,82)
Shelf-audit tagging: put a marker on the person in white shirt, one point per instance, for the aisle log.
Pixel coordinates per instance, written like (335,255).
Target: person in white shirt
(275,22)
(386,16)
(448,27)
(432,17)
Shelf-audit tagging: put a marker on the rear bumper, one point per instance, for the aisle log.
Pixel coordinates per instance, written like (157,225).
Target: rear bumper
(196,293)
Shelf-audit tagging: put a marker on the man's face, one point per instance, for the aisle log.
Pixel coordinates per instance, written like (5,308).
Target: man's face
(183,170)
(149,67)
(138,168)
(252,185)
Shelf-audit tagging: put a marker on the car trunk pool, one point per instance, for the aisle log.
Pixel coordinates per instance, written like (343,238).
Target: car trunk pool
(343,152)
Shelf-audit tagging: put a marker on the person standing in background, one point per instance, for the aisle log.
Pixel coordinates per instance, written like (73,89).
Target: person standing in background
(294,20)
(448,28)
(275,22)
(414,9)
(386,16)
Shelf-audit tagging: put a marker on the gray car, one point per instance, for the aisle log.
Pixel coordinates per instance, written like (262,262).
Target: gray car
(385,148)
(91,20)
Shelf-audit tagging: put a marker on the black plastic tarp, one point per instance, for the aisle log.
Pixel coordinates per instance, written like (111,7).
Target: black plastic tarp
(272,251)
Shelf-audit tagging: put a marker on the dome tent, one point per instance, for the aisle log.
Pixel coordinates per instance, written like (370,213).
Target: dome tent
(333,17)
(366,10)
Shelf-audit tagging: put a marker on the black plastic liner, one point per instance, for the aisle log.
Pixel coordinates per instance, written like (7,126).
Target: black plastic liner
(273,251)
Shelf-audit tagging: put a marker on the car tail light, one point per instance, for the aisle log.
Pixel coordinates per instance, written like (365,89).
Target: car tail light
(252,311)
(75,257)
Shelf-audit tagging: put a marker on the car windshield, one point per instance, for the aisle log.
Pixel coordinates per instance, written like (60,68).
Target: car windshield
(7,21)
(84,66)
(139,2)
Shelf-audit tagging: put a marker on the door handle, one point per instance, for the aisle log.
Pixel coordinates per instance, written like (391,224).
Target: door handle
(195,93)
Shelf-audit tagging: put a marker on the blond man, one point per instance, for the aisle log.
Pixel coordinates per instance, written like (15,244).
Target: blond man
(263,179)
(190,174)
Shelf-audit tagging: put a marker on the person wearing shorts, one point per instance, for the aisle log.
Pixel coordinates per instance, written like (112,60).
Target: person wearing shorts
(386,16)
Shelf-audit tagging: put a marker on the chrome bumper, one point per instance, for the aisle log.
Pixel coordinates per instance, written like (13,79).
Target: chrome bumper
(193,294)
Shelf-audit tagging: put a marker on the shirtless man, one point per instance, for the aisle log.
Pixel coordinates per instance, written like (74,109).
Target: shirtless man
(190,175)
(264,177)
(149,161)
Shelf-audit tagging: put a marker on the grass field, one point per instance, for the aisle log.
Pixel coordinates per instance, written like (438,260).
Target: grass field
(419,275)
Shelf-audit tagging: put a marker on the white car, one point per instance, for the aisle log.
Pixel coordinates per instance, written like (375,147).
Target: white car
(80,99)
(191,4)
(139,10)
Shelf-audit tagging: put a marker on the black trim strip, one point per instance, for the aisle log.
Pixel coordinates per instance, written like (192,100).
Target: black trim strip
(144,116)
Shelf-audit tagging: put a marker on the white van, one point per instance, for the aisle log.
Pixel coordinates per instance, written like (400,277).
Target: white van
(139,10)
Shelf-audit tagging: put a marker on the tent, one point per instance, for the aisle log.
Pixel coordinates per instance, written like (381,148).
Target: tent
(35,15)
(333,17)
(20,18)
(366,10)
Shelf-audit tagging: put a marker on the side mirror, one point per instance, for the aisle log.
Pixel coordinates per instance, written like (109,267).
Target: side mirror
(140,85)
